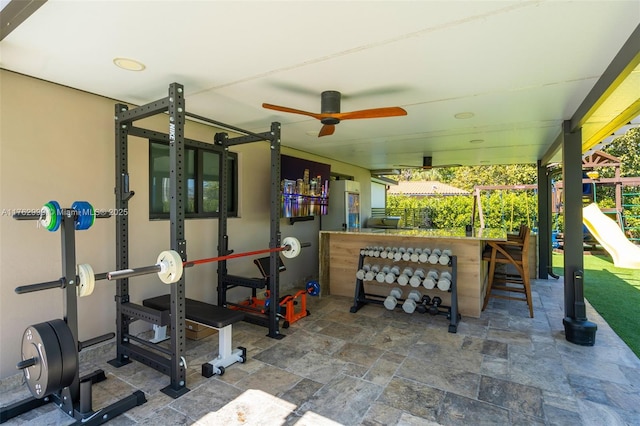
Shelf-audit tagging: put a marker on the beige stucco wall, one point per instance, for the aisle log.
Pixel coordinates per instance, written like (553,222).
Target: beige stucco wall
(57,143)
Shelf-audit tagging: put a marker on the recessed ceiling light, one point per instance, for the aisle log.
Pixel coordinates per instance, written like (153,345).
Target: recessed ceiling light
(484,161)
(311,133)
(464,115)
(476,141)
(129,64)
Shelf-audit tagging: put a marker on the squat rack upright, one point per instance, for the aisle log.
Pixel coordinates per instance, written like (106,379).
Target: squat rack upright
(171,361)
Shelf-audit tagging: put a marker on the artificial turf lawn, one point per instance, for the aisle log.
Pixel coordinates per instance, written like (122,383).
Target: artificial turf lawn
(613,292)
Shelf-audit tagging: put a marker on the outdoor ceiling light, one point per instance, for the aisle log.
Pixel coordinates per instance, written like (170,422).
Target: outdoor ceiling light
(129,64)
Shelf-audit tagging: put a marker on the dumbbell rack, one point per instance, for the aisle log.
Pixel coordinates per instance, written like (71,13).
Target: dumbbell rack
(362,298)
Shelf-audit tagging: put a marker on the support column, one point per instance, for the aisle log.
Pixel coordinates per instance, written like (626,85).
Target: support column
(274,233)
(222,139)
(67,234)
(178,243)
(544,222)
(577,329)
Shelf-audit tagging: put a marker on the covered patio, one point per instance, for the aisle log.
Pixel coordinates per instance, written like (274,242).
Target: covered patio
(335,367)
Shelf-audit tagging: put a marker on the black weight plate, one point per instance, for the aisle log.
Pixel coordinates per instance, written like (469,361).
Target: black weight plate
(68,351)
(41,342)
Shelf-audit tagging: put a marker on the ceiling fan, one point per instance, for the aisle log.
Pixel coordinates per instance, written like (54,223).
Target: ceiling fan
(330,114)
(427,165)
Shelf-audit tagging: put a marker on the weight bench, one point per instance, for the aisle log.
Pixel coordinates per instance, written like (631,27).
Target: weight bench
(211,316)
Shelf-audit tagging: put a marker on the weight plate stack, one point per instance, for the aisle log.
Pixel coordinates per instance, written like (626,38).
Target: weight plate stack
(52,348)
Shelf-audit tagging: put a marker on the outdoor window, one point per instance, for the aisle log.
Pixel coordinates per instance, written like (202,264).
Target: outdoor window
(201,179)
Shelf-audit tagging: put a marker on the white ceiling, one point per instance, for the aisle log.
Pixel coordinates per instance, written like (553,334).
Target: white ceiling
(521,67)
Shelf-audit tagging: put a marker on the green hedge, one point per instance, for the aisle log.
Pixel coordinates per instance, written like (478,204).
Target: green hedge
(501,209)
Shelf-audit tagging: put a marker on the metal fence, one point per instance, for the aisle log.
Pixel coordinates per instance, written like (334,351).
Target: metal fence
(411,217)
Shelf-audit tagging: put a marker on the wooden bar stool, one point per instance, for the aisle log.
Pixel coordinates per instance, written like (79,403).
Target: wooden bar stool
(511,252)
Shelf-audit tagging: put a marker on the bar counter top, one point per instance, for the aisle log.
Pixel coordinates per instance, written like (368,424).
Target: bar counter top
(451,233)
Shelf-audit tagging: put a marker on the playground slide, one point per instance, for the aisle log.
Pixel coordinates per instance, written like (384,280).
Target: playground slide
(625,254)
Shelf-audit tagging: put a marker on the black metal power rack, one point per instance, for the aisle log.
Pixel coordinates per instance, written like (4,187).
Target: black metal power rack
(362,298)
(171,361)
(226,281)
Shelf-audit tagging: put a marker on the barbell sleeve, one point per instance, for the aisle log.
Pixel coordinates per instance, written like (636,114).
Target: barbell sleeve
(133,272)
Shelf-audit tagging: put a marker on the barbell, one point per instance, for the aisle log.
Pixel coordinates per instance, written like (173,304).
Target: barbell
(169,267)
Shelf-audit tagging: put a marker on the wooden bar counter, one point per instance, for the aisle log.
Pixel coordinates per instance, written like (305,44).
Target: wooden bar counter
(340,250)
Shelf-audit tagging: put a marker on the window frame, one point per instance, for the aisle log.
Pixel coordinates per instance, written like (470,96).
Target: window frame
(199,150)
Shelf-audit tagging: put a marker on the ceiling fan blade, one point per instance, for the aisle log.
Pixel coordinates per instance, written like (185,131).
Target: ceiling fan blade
(371,113)
(292,110)
(327,130)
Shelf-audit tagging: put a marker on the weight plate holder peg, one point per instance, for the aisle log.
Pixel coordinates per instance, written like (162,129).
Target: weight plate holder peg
(49,357)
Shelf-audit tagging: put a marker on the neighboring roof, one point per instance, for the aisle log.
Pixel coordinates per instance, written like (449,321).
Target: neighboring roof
(425,188)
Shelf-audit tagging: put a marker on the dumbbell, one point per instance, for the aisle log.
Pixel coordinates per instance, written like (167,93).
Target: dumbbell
(430,280)
(445,257)
(377,251)
(406,256)
(397,256)
(391,276)
(403,278)
(417,278)
(385,253)
(434,257)
(415,256)
(361,272)
(444,282)
(424,256)
(380,276)
(424,303)
(371,274)
(410,302)
(435,303)
(392,299)
(363,251)
(390,251)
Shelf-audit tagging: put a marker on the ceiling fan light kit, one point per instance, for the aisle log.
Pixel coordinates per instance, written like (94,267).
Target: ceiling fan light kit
(330,114)
(427,164)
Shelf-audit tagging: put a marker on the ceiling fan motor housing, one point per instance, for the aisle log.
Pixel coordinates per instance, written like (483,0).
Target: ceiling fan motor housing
(330,104)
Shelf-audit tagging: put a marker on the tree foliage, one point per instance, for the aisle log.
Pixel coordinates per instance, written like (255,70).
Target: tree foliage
(508,208)
(501,208)
(627,148)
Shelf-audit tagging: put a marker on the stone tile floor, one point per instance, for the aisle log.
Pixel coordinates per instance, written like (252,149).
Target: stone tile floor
(378,367)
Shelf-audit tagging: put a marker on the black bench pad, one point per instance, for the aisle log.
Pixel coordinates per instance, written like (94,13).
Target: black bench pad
(200,312)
